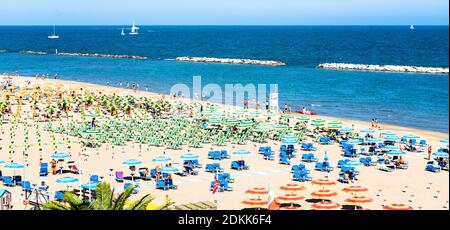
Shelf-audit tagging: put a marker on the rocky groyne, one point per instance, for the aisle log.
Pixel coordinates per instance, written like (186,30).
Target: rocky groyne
(384,68)
(230,61)
(32,52)
(102,55)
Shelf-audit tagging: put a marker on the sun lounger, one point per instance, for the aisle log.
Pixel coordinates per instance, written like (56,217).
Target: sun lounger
(59,195)
(26,186)
(384,167)
(215,155)
(227,177)
(142,172)
(119,176)
(239,165)
(343,178)
(160,184)
(8,181)
(224,154)
(268,155)
(224,186)
(128,185)
(73,168)
(432,168)
(43,169)
(324,167)
(285,160)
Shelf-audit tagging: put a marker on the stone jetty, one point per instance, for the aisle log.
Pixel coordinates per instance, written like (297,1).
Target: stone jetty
(230,61)
(102,55)
(384,68)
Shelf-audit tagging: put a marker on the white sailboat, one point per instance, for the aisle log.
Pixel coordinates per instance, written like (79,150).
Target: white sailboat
(123,33)
(134,29)
(54,36)
(411,27)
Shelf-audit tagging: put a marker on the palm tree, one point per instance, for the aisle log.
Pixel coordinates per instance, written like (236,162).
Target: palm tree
(104,201)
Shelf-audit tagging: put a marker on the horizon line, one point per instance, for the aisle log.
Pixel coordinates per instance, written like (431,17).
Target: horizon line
(227,24)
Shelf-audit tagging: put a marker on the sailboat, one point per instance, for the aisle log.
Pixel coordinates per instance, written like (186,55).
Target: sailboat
(134,29)
(123,33)
(411,27)
(54,36)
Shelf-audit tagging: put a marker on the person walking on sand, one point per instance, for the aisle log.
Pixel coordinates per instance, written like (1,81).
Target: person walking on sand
(53,165)
(429,152)
(267,105)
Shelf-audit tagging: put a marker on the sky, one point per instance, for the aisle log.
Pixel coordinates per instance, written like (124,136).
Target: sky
(224,12)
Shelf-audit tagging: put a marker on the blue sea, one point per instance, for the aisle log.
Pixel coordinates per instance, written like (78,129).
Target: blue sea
(412,100)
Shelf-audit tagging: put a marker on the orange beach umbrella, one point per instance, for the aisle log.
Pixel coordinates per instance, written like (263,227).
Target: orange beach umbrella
(325,205)
(397,207)
(257,191)
(292,188)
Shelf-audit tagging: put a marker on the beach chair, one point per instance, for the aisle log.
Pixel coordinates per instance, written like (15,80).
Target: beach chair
(128,185)
(43,186)
(196,164)
(94,179)
(224,186)
(73,167)
(285,160)
(26,186)
(210,168)
(384,167)
(142,172)
(432,168)
(324,140)
(59,195)
(215,155)
(217,167)
(268,155)
(224,154)
(343,178)
(153,173)
(8,181)
(323,167)
(227,177)
(43,171)
(119,176)
(17,180)
(161,184)
(190,171)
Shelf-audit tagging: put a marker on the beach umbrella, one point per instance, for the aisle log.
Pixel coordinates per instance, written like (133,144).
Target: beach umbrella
(323,193)
(334,126)
(397,207)
(2,162)
(373,140)
(161,159)
(395,153)
(289,137)
(14,166)
(354,141)
(189,156)
(169,169)
(353,163)
(289,198)
(255,202)
(325,205)
(390,147)
(323,182)
(292,187)
(67,181)
(289,142)
(318,120)
(281,127)
(440,154)
(318,125)
(355,189)
(132,162)
(290,208)
(388,133)
(257,191)
(391,138)
(303,118)
(286,117)
(335,123)
(346,130)
(367,131)
(242,152)
(445,141)
(60,156)
(411,136)
(90,186)
(357,200)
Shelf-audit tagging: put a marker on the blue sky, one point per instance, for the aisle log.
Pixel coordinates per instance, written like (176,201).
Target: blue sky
(224,12)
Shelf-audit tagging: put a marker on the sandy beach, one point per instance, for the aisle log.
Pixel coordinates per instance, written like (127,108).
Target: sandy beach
(414,186)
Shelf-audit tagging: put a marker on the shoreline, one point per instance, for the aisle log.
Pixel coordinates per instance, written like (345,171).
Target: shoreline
(153,95)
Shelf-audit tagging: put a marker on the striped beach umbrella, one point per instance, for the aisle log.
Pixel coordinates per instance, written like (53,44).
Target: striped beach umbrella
(161,159)
(411,136)
(390,148)
(60,156)
(391,138)
(440,154)
(355,189)
(318,120)
(169,169)
(292,188)
(397,207)
(90,186)
(373,140)
(132,162)
(358,200)
(352,163)
(325,205)
(189,156)
(289,198)
(367,131)
(290,208)
(255,202)
(257,191)
(354,141)
(335,123)
(303,119)
(242,152)
(14,166)
(334,126)
(346,130)
(323,182)
(315,124)
(67,180)
(322,194)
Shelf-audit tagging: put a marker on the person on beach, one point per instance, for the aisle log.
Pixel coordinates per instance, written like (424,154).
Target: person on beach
(93,123)
(429,152)
(53,164)
(285,108)
(373,123)
(245,104)
(267,105)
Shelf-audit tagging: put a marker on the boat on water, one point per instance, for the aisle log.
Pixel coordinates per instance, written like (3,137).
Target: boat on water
(53,36)
(306,112)
(411,27)
(134,29)
(123,33)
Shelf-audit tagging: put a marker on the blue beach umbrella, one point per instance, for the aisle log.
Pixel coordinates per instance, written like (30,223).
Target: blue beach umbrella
(395,153)
(67,181)
(354,141)
(189,156)
(60,156)
(169,169)
(368,131)
(161,159)
(2,162)
(391,138)
(440,154)
(14,166)
(353,163)
(242,152)
(288,142)
(373,140)
(411,136)
(445,141)
(391,147)
(388,133)
(90,186)
(346,130)
(132,162)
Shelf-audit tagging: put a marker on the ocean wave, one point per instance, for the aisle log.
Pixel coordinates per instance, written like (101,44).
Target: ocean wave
(32,52)
(169,59)
(3,51)
(384,68)
(102,55)
(230,61)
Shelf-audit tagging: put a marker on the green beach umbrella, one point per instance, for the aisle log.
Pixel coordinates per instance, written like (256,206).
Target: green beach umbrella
(303,119)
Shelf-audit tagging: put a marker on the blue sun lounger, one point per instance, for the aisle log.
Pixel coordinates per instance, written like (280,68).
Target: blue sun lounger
(43,171)
(59,195)
(432,168)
